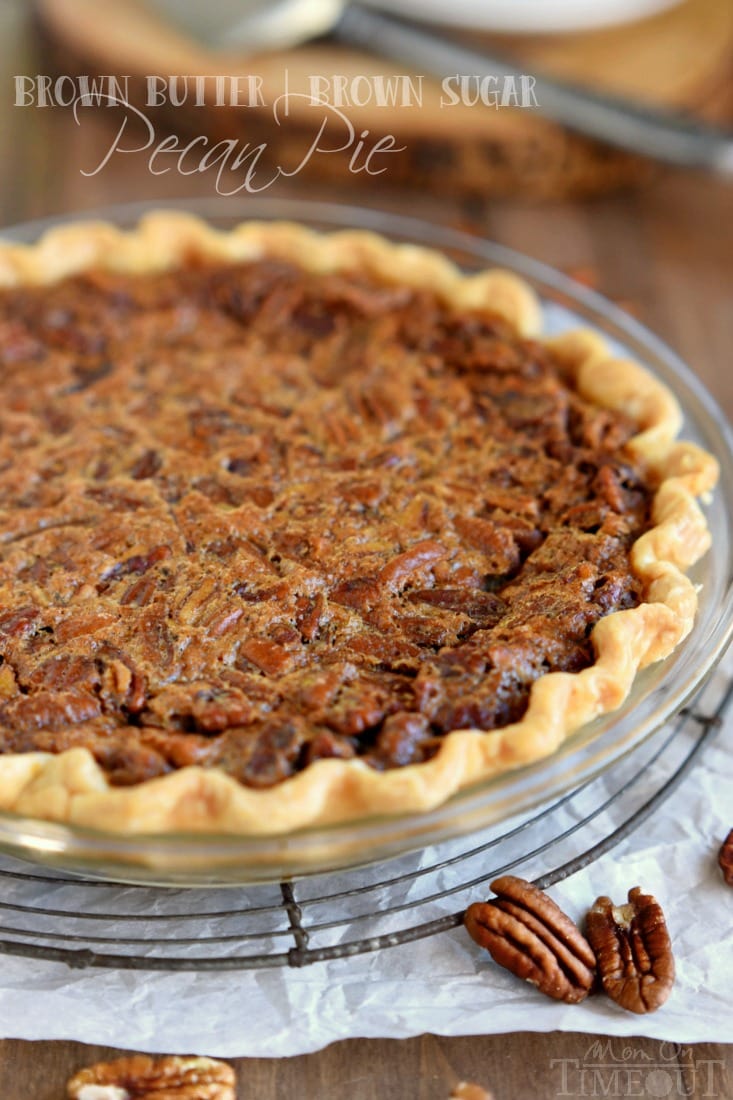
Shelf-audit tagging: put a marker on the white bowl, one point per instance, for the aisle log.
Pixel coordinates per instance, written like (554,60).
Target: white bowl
(525,16)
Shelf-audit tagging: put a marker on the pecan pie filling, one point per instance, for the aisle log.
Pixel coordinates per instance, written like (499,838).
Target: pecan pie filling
(251,517)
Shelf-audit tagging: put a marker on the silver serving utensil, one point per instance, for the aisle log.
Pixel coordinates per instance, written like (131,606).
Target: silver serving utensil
(256,25)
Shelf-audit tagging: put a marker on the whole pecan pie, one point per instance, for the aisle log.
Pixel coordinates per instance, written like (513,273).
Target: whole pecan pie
(298,528)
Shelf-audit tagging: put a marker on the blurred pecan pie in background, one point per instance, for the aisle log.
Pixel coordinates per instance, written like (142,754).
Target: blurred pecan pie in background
(298,528)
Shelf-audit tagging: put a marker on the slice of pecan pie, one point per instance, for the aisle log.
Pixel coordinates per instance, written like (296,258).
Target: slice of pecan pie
(299,528)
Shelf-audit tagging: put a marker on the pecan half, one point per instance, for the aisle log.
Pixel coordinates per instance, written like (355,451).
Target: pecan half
(526,932)
(466,1090)
(140,1077)
(633,950)
(725,858)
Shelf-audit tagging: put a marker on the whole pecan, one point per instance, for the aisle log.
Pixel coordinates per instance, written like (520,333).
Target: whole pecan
(725,858)
(526,932)
(140,1077)
(633,950)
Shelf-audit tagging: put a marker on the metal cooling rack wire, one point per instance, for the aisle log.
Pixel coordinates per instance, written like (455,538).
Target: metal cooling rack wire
(283,927)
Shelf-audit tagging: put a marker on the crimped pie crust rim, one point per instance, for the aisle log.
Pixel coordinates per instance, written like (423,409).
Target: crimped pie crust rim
(70,787)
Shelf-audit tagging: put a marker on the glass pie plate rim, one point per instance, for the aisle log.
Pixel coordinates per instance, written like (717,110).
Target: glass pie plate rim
(657,695)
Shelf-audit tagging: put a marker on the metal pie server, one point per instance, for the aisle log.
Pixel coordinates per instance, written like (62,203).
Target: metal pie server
(253,26)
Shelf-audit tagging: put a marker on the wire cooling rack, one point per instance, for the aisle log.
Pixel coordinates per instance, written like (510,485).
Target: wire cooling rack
(86,923)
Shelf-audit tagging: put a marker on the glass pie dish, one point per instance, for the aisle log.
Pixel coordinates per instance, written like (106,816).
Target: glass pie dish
(659,692)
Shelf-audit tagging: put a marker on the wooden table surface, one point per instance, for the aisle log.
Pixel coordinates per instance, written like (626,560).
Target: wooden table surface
(666,249)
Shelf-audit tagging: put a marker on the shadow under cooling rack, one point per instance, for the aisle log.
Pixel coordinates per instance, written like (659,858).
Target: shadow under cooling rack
(85,923)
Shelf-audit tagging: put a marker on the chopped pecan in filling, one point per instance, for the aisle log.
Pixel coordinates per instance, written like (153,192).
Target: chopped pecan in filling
(252,517)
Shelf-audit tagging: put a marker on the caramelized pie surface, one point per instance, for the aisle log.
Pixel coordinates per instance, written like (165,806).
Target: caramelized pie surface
(252,517)
(300,528)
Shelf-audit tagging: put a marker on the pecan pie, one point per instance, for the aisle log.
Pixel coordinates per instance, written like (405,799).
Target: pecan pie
(297,528)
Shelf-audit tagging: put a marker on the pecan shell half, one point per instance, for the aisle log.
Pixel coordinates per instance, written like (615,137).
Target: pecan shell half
(527,933)
(634,951)
(725,858)
(140,1077)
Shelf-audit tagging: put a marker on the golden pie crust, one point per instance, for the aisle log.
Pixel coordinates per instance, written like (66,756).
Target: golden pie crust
(71,787)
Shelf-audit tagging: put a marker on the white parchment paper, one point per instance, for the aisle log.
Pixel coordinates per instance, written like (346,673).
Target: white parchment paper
(444,984)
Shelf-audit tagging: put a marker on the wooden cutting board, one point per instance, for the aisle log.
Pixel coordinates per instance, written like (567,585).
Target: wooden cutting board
(680,59)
